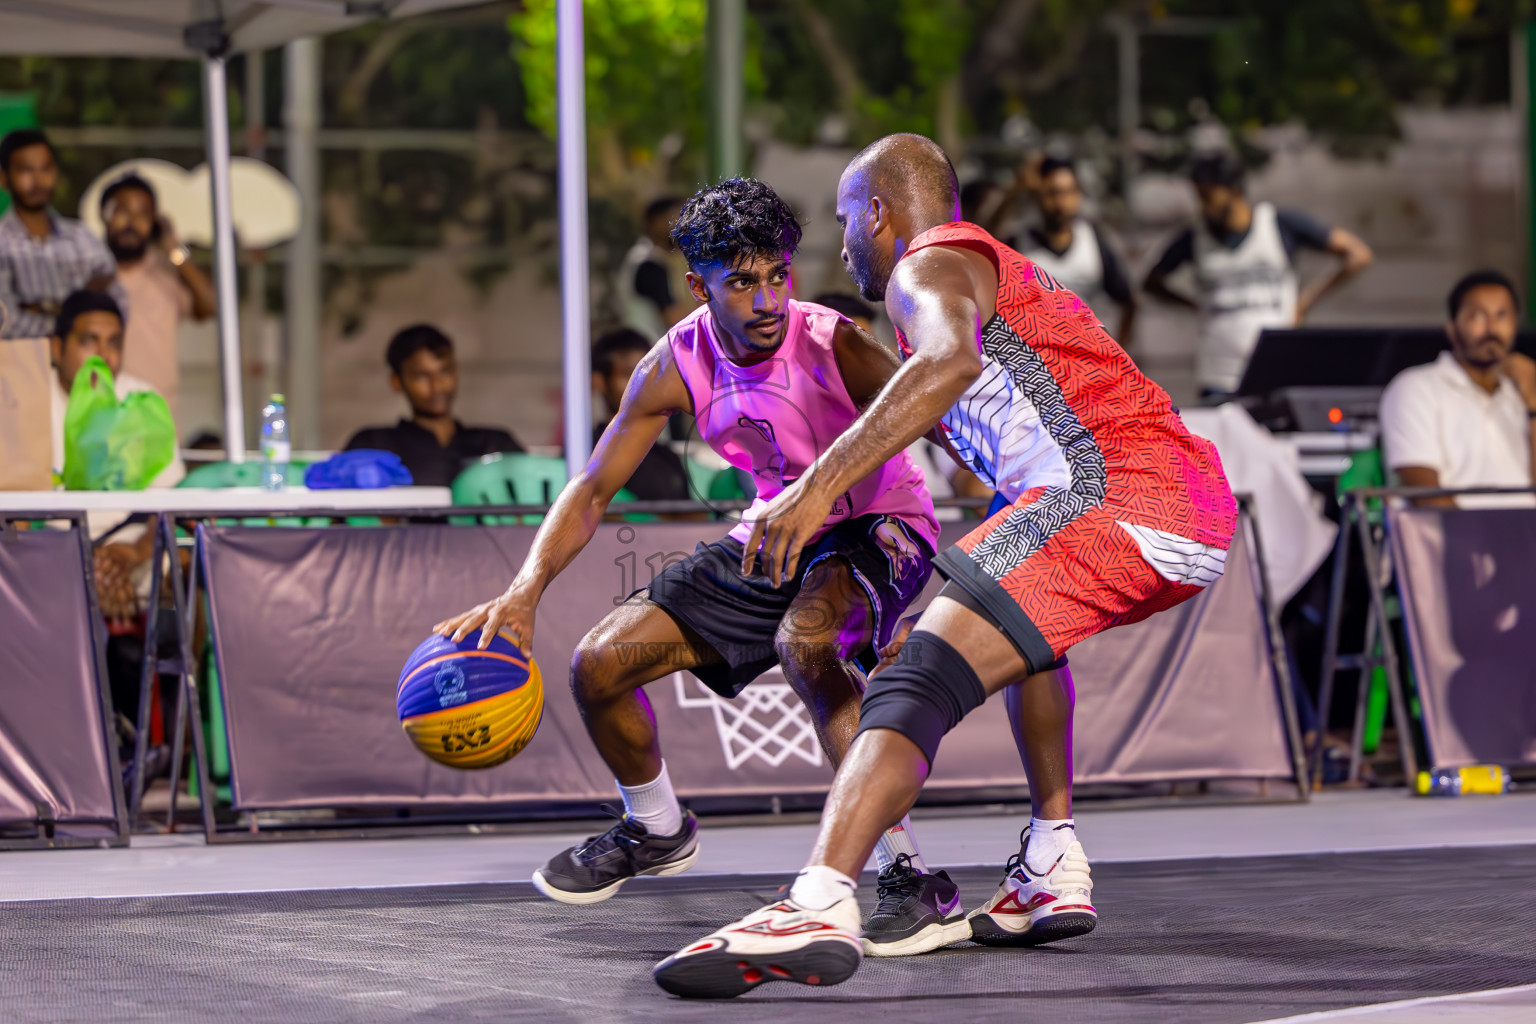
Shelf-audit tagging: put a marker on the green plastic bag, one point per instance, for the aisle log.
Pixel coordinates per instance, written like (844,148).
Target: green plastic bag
(111,445)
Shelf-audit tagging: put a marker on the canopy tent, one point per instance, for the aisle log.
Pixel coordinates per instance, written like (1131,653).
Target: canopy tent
(183,28)
(212,30)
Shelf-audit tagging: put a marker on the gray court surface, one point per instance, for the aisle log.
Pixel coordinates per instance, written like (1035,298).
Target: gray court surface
(1333,822)
(1225,940)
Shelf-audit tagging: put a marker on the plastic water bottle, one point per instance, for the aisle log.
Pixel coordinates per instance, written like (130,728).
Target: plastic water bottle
(275,449)
(1487,779)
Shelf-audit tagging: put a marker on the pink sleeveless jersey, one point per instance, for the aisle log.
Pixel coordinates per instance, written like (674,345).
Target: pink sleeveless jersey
(773,419)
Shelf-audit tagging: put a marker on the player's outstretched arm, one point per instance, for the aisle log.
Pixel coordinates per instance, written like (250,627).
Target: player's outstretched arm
(936,300)
(655,392)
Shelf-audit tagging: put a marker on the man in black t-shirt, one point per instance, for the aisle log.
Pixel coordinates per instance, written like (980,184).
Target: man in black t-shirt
(661,475)
(434,446)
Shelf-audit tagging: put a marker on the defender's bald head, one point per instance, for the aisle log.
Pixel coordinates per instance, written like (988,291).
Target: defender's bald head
(894,190)
(912,172)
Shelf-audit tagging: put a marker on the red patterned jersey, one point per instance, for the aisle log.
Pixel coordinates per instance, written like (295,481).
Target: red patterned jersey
(1060,405)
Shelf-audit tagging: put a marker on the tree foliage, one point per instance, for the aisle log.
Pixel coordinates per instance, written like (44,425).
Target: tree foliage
(1341,67)
(645,75)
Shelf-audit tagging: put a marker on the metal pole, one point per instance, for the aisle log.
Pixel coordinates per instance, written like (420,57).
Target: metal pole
(727,44)
(255,332)
(1523,85)
(1128,35)
(301,121)
(1379,577)
(575,307)
(216,95)
(1349,507)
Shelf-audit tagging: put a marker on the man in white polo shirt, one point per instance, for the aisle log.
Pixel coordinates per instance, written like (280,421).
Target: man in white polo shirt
(1467,419)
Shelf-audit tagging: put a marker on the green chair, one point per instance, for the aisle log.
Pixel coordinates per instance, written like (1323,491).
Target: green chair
(710,484)
(226,474)
(726,486)
(249,474)
(1366,469)
(510,479)
(700,478)
(215,732)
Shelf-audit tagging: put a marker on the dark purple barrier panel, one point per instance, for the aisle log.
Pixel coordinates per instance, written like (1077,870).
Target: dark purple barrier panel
(1189,693)
(54,761)
(1468,582)
(312,626)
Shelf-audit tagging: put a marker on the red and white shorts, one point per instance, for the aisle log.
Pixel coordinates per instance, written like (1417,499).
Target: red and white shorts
(1051,570)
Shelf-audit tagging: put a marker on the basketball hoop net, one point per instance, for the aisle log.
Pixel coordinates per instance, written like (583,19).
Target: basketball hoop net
(767,721)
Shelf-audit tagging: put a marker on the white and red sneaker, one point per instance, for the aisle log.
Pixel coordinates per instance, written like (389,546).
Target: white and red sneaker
(781,942)
(1029,909)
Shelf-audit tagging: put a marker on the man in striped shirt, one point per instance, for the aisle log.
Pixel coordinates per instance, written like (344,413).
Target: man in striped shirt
(43,257)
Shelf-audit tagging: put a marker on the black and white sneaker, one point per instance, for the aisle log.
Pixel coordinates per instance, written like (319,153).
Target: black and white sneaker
(915,912)
(593,871)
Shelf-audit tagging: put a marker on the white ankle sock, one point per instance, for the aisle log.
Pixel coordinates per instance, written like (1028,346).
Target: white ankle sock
(1048,840)
(818,887)
(654,805)
(898,840)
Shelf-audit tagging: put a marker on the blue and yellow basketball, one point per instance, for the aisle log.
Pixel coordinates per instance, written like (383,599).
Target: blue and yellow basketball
(469,708)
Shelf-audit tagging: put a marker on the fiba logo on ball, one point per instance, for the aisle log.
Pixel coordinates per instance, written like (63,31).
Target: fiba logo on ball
(449,684)
(469,708)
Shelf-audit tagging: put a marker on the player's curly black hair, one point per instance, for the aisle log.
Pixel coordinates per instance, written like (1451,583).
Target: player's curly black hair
(726,224)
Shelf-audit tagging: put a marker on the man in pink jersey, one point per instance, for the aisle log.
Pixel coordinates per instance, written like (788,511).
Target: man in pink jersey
(1116,512)
(770,381)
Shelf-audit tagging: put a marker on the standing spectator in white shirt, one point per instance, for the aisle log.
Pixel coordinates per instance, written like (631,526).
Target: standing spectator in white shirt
(652,287)
(1242,254)
(163,284)
(1468,418)
(43,257)
(1075,251)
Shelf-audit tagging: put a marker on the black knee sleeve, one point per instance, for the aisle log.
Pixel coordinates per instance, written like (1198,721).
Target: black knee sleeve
(960,595)
(923,695)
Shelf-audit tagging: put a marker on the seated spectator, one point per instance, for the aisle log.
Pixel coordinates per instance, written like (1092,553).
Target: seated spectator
(91,324)
(43,257)
(1467,419)
(434,446)
(661,475)
(162,283)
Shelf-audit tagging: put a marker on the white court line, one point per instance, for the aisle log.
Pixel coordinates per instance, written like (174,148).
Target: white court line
(1280,851)
(127,894)
(1401,1004)
(129,891)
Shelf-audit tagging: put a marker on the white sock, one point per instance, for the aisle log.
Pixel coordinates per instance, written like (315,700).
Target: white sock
(654,805)
(818,887)
(1048,840)
(898,840)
